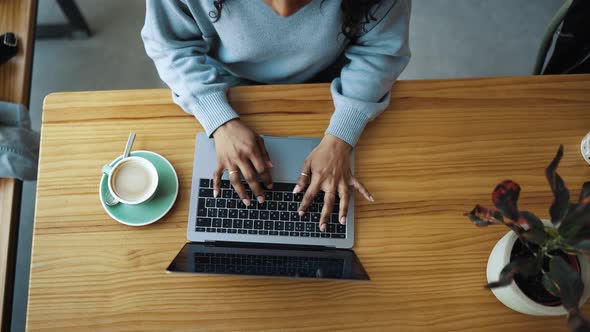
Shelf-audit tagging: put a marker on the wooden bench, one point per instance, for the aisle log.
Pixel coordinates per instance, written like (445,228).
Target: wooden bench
(16,16)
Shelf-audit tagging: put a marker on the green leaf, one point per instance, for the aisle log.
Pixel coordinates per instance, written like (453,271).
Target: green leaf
(568,281)
(561,195)
(552,231)
(550,285)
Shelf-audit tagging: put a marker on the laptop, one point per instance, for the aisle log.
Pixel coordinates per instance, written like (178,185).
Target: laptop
(268,239)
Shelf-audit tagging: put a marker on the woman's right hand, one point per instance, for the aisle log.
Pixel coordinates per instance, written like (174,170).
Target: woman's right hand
(240,149)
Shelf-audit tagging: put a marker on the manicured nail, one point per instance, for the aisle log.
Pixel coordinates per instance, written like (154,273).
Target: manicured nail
(343,220)
(215,193)
(301,213)
(246,202)
(269,186)
(269,164)
(260,199)
(371,198)
(323,227)
(297,189)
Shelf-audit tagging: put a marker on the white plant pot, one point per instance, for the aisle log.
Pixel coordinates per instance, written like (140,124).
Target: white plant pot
(512,296)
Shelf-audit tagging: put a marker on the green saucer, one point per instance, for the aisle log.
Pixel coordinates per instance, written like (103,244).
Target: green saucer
(150,211)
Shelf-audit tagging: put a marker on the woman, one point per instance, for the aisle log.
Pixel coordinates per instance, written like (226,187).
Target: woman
(202,47)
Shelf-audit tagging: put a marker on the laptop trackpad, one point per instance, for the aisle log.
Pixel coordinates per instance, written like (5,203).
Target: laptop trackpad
(287,155)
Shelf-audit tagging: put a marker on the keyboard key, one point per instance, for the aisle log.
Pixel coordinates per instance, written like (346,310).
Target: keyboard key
(233,213)
(331,228)
(204,222)
(315,234)
(205,192)
(277,196)
(272,205)
(210,202)
(315,217)
(273,233)
(204,183)
(294,216)
(309,227)
(217,222)
(334,218)
(253,204)
(324,235)
(253,214)
(267,196)
(225,184)
(243,214)
(293,206)
(201,202)
(299,226)
(319,198)
(258,224)
(227,223)
(226,193)
(222,213)
(232,203)
(280,186)
(288,197)
(283,206)
(284,233)
(221,230)
(262,206)
(202,211)
(210,230)
(279,225)
(274,215)
(341,229)
(264,215)
(248,224)
(212,212)
(337,236)
(314,207)
(268,224)
(285,216)
(242,231)
(200,229)
(306,217)
(294,234)
(231,230)
(289,226)
(305,234)
(298,197)
(235,195)
(263,232)
(252,232)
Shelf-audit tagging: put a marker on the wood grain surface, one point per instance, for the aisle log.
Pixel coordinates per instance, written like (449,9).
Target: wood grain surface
(16,16)
(440,148)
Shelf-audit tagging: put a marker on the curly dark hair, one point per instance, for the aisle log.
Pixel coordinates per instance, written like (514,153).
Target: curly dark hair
(356,15)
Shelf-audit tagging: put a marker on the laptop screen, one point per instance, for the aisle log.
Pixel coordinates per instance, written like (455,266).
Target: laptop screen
(268,261)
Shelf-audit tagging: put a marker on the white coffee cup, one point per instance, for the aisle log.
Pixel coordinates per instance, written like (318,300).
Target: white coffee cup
(585,148)
(132,180)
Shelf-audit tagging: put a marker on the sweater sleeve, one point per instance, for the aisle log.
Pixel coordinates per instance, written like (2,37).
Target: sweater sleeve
(376,59)
(175,43)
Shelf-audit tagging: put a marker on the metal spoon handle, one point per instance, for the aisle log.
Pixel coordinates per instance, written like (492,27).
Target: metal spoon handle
(129,145)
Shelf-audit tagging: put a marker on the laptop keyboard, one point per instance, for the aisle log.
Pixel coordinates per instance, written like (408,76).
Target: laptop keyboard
(277,216)
(268,265)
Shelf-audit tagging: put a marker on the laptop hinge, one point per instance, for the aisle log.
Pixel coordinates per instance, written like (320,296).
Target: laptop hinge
(266,245)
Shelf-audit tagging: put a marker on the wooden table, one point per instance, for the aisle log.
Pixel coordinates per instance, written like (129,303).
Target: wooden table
(16,16)
(441,148)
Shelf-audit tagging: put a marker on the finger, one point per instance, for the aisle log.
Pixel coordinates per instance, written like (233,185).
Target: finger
(236,182)
(258,162)
(308,198)
(217,179)
(265,155)
(266,178)
(329,198)
(344,194)
(250,176)
(304,178)
(361,188)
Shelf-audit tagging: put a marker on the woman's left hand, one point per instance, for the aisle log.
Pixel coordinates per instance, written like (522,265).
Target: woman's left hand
(327,169)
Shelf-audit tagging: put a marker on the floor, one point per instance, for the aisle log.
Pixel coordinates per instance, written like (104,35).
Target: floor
(458,38)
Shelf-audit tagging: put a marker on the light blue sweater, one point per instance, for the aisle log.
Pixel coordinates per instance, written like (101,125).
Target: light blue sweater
(199,59)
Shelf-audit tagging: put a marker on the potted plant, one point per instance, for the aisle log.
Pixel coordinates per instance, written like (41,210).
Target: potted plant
(539,268)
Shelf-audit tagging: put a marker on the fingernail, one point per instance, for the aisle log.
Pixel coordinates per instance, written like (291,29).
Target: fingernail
(215,193)
(371,198)
(260,199)
(269,164)
(301,213)
(323,227)
(297,189)
(269,186)
(246,202)
(343,220)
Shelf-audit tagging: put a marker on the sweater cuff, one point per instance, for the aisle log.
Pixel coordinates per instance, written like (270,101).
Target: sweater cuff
(213,110)
(347,124)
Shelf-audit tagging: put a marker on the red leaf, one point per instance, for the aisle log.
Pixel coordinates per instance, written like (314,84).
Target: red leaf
(482,216)
(561,195)
(505,198)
